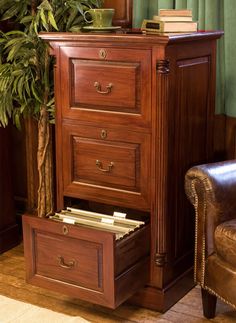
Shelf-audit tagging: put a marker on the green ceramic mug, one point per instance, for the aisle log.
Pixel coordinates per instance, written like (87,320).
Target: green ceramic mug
(100,17)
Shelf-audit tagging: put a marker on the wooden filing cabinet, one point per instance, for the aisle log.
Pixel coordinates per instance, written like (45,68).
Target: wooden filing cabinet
(134,112)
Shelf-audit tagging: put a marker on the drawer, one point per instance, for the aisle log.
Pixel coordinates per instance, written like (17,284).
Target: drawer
(106,83)
(104,164)
(85,263)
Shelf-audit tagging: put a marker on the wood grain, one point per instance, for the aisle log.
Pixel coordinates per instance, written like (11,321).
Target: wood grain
(9,234)
(80,261)
(123,12)
(13,285)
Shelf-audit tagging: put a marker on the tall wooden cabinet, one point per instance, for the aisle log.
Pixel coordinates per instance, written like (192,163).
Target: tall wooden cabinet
(134,112)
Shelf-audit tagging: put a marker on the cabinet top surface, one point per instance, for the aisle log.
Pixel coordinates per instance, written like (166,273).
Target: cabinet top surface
(129,37)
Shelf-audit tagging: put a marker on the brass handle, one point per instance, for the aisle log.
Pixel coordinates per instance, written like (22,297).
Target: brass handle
(65,265)
(98,87)
(100,166)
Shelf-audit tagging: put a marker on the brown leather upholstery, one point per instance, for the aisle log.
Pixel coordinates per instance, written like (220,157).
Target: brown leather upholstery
(211,189)
(225,242)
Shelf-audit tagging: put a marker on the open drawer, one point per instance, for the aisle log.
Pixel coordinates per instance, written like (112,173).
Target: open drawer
(86,262)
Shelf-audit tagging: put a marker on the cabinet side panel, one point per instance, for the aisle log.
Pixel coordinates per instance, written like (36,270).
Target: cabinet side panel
(191,140)
(186,84)
(192,112)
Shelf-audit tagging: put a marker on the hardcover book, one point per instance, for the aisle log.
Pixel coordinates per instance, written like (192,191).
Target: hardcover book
(175,12)
(172,18)
(155,26)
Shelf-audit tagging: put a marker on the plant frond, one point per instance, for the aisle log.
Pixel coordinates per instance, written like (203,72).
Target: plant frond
(26,69)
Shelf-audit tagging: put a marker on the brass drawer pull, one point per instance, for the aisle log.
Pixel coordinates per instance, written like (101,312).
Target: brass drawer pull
(68,265)
(98,87)
(100,166)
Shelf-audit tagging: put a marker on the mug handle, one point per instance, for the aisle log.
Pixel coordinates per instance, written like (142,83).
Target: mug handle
(88,21)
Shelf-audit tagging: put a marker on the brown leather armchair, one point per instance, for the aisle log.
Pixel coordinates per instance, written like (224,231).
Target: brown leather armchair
(211,188)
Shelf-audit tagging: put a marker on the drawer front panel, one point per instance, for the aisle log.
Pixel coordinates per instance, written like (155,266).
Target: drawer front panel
(110,86)
(118,165)
(113,164)
(88,253)
(73,261)
(114,86)
(81,262)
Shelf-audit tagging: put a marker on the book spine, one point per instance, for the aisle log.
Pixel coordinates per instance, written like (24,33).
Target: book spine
(175,12)
(172,18)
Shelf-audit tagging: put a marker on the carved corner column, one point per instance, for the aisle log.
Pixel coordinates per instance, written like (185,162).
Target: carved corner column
(161,196)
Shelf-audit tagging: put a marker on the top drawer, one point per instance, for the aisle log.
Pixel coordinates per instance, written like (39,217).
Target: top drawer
(105,83)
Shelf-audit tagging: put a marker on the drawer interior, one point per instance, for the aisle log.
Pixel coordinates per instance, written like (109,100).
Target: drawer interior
(116,223)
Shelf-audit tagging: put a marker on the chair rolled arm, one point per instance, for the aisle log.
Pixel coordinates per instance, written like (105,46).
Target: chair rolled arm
(211,188)
(215,185)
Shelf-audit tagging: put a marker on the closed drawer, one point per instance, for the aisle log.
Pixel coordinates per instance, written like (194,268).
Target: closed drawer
(104,164)
(85,263)
(105,83)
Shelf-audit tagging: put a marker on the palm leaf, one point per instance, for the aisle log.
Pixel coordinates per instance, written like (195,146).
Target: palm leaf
(26,70)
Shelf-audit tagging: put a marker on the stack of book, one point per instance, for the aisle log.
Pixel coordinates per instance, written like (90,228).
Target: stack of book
(171,21)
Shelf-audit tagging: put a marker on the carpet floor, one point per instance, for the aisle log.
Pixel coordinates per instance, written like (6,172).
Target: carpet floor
(12,311)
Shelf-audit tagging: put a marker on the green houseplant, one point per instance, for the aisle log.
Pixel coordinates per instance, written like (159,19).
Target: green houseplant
(26,73)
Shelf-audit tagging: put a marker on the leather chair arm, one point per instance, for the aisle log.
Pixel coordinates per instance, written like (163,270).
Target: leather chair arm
(211,188)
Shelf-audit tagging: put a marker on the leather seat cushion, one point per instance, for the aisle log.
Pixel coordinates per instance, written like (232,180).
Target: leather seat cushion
(225,241)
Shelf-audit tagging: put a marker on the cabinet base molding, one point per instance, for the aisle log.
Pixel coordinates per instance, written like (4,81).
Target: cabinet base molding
(162,299)
(9,237)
